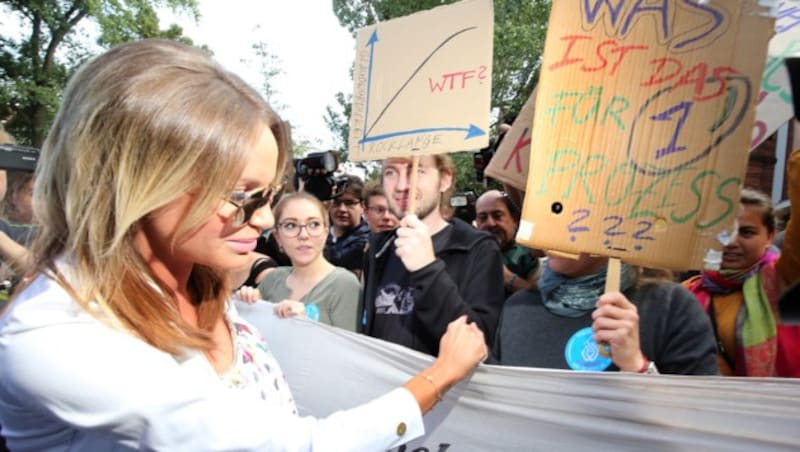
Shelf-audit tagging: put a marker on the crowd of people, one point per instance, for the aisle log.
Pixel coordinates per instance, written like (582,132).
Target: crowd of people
(135,282)
(421,269)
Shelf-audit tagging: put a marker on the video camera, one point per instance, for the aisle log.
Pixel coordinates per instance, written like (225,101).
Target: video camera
(463,205)
(18,158)
(316,172)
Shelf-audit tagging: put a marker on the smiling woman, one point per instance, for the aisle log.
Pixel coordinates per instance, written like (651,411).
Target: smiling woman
(741,299)
(148,193)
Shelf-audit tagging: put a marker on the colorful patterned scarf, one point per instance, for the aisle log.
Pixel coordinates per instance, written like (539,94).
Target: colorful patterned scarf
(756,328)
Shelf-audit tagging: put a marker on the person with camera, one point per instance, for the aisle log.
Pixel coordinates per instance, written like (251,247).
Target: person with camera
(17,207)
(13,237)
(349,234)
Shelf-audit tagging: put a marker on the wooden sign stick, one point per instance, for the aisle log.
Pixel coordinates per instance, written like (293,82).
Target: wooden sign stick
(613,275)
(412,186)
(612,285)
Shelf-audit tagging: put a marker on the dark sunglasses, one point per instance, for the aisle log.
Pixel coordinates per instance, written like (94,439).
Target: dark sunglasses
(248,202)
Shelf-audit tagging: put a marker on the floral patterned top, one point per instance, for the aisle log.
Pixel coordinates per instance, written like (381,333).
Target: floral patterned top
(256,369)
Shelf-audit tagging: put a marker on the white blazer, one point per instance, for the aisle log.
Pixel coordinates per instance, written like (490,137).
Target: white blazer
(69,382)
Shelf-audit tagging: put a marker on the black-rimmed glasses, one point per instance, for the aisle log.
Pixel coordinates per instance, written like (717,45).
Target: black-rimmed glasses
(291,229)
(336,202)
(247,202)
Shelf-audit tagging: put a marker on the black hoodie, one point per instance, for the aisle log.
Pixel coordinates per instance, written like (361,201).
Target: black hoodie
(466,278)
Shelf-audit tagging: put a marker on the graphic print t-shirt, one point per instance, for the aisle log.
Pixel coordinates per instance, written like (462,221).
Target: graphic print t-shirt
(394,304)
(395,320)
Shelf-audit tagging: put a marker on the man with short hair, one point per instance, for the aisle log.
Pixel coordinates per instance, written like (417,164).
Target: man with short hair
(430,270)
(345,244)
(497,214)
(377,213)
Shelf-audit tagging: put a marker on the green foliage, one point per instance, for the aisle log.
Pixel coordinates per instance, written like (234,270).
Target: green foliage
(465,174)
(302,145)
(268,66)
(35,65)
(339,123)
(520,29)
(519,32)
(355,14)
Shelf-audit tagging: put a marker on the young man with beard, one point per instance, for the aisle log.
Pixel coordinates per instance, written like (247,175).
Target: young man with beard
(497,214)
(430,270)
(345,244)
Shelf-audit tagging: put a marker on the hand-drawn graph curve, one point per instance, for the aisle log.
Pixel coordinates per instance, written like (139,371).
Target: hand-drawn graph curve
(470,130)
(423,83)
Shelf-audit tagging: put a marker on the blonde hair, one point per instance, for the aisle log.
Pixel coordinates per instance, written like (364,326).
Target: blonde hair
(445,164)
(371,189)
(140,126)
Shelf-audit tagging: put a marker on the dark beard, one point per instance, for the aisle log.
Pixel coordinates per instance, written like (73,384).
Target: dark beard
(421,214)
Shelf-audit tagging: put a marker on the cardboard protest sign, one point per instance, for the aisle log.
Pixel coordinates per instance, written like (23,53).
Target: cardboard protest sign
(423,83)
(643,123)
(775,99)
(510,163)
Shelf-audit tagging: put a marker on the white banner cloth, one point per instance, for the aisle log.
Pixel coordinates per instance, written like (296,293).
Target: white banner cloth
(509,409)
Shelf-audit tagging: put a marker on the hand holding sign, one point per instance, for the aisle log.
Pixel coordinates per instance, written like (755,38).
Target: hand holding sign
(616,323)
(413,244)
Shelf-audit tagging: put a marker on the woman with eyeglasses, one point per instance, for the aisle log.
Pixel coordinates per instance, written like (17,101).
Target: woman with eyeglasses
(312,286)
(153,183)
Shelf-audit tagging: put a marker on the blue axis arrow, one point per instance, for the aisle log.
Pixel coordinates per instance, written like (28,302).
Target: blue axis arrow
(371,43)
(472,132)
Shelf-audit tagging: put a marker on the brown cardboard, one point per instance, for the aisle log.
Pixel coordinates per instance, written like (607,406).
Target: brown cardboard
(775,99)
(422,83)
(643,123)
(510,163)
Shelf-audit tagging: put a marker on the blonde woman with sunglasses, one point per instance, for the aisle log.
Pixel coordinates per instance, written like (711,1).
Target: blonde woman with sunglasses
(311,286)
(153,183)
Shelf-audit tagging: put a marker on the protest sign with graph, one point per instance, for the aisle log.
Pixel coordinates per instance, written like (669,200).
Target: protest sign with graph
(423,83)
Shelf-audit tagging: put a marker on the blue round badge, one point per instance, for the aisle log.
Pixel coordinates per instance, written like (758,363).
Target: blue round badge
(312,312)
(583,354)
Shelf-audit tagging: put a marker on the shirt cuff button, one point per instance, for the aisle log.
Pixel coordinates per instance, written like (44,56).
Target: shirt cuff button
(401,429)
